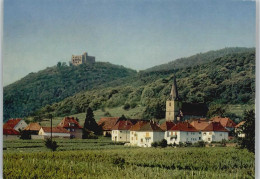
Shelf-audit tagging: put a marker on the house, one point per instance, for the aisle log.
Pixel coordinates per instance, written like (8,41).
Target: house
(144,133)
(12,127)
(107,123)
(238,129)
(182,132)
(167,125)
(57,132)
(225,122)
(214,132)
(16,124)
(10,134)
(120,132)
(33,128)
(71,125)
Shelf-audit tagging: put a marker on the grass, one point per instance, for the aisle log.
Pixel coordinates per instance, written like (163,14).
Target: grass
(102,158)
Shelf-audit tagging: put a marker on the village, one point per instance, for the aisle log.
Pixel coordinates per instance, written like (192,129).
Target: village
(184,123)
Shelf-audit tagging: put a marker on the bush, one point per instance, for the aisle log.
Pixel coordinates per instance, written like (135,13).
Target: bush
(154,144)
(181,144)
(51,144)
(199,144)
(163,143)
(223,143)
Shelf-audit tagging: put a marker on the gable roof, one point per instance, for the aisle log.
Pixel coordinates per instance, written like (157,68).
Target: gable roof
(138,125)
(240,124)
(11,123)
(107,122)
(65,123)
(226,122)
(183,126)
(10,132)
(55,130)
(216,127)
(167,125)
(122,125)
(148,126)
(200,125)
(33,127)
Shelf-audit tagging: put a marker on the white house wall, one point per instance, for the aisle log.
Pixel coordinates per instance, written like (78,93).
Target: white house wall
(210,136)
(120,135)
(145,139)
(182,136)
(21,125)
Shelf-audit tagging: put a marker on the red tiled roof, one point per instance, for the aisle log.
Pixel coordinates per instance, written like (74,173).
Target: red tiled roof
(183,126)
(11,123)
(65,123)
(226,122)
(107,122)
(122,125)
(55,129)
(10,132)
(200,125)
(167,125)
(138,125)
(215,126)
(33,127)
(146,126)
(240,124)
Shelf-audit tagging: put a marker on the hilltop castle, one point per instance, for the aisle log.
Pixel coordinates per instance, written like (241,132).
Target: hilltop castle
(82,59)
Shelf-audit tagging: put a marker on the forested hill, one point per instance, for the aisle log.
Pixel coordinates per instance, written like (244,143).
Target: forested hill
(56,83)
(226,80)
(199,58)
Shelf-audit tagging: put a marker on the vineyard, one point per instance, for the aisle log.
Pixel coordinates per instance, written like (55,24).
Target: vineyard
(103,159)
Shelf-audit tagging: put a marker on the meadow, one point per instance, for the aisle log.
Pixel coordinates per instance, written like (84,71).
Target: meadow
(101,158)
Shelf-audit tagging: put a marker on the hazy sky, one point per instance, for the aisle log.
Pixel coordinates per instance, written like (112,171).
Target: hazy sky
(135,33)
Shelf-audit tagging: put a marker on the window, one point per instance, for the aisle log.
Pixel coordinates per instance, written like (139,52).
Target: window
(199,138)
(147,134)
(142,140)
(72,130)
(187,133)
(210,133)
(170,104)
(220,134)
(204,133)
(132,138)
(120,131)
(147,140)
(208,139)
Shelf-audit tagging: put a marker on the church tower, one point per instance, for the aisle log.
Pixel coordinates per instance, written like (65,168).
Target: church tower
(173,105)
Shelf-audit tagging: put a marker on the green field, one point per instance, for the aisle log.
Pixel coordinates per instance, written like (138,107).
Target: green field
(103,159)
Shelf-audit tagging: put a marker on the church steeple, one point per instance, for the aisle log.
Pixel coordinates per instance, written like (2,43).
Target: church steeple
(174,92)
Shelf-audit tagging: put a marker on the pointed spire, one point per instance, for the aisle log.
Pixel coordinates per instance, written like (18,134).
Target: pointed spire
(174,92)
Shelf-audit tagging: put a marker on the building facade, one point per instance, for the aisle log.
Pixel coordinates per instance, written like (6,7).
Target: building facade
(80,59)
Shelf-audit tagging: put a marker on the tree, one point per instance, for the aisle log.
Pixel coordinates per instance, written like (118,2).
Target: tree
(51,144)
(217,110)
(248,128)
(90,124)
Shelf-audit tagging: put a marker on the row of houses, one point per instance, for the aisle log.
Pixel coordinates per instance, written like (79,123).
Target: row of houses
(144,133)
(67,128)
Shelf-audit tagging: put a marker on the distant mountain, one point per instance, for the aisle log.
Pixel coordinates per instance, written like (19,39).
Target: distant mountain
(55,84)
(199,58)
(226,80)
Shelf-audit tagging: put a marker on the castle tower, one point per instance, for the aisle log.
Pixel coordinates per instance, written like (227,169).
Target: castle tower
(173,105)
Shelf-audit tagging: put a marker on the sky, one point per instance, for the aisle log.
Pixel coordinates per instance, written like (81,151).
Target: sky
(137,34)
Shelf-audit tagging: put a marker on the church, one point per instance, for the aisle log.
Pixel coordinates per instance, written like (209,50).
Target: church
(176,110)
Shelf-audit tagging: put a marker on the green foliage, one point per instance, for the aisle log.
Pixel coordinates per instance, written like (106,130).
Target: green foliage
(55,84)
(227,79)
(51,144)
(101,159)
(217,110)
(199,144)
(248,128)
(163,143)
(154,144)
(90,125)
(126,106)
